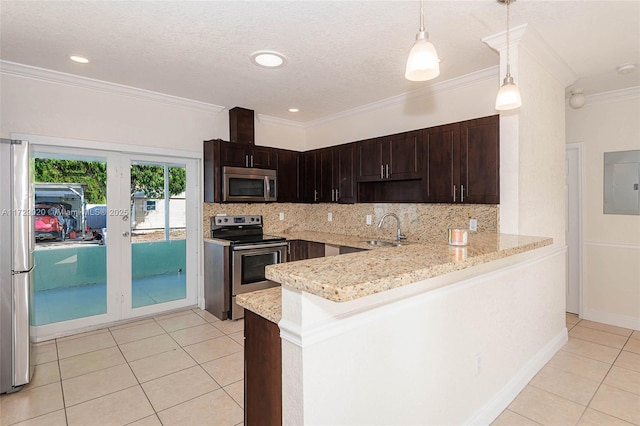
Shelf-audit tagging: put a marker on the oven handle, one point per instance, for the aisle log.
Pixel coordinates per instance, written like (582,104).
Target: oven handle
(259,246)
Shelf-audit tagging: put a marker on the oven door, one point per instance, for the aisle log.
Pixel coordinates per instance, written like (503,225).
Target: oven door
(247,269)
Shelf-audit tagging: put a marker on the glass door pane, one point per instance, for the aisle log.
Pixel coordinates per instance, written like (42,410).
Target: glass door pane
(158,233)
(70,279)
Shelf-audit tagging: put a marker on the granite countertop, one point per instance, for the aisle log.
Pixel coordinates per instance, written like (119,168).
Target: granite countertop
(335,239)
(266,303)
(351,276)
(217,241)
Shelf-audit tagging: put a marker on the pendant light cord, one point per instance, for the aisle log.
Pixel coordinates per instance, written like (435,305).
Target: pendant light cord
(508,45)
(421,15)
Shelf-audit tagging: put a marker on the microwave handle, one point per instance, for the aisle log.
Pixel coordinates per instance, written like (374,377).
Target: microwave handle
(268,186)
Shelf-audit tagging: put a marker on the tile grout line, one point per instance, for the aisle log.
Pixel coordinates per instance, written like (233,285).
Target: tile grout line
(603,380)
(64,405)
(203,369)
(135,377)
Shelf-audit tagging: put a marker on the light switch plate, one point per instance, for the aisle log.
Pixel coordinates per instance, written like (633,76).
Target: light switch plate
(281,216)
(473,224)
(368,219)
(329,217)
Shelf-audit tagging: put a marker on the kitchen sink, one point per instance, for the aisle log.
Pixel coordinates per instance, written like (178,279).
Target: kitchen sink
(381,243)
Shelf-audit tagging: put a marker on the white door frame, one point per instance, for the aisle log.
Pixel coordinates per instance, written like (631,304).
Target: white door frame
(578,147)
(111,152)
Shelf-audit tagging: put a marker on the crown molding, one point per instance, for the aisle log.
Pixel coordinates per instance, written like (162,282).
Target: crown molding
(614,95)
(526,37)
(42,74)
(440,87)
(267,119)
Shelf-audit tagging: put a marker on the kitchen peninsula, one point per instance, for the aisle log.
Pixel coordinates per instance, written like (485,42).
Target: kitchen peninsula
(414,334)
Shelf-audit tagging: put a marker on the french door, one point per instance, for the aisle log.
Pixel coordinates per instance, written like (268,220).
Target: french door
(130,251)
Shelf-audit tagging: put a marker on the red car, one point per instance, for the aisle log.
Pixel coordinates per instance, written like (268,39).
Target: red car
(48,223)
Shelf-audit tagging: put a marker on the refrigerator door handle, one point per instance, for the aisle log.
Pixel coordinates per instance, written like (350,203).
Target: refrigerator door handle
(21,350)
(22,205)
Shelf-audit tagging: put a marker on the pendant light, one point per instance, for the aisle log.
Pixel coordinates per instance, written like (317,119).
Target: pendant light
(509,94)
(423,63)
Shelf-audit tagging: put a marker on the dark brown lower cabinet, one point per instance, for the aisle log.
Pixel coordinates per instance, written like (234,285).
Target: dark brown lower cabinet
(262,371)
(301,250)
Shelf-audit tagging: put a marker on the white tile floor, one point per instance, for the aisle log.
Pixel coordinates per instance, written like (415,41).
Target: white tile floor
(187,369)
(593,380)
(182,369)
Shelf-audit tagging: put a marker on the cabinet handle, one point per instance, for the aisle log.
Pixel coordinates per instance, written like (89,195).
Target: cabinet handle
(387,171)
(251,160)
(337,195)
(454,193)
(315,195)
(246,161)
(381,171)
(332,195)
(462,193)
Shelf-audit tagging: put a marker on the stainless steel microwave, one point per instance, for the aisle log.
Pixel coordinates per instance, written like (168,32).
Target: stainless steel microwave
(241,185)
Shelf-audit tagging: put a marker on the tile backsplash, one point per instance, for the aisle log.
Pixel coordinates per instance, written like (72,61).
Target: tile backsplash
(419,222)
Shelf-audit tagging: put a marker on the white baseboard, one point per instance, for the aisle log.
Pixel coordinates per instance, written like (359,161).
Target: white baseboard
(611,319)
(492,409)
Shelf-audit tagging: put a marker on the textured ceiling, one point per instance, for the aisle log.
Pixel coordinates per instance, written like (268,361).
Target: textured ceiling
(341,54)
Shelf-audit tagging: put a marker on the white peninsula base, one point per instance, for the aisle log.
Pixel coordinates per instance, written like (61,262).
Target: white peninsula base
(454,349)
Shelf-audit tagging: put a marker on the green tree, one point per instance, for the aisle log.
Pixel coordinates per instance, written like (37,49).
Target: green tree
(91,173)
(150,180)
(144,178)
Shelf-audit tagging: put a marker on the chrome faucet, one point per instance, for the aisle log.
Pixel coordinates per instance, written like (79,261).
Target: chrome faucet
(399,236)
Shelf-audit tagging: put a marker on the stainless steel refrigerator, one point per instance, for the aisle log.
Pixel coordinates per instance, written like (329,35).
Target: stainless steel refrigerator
(16,264)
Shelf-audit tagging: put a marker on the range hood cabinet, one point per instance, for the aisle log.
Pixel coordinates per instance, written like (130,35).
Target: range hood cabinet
(241,126)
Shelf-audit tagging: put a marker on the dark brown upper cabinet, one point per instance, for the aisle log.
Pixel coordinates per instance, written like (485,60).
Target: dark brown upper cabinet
(329,175)
(480,160)
(218,154)
(242,155)
(242,126)
(289,165)
(394,157)
(463,162)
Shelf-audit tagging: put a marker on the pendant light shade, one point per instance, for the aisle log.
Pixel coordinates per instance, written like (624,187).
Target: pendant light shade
(509,95)
(423,63)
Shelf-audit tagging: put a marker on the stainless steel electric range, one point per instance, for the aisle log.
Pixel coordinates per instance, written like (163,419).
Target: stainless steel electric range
(238,267)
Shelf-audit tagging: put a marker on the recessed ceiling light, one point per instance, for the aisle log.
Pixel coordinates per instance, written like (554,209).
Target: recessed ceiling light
(268,59)
(79,59)
(626,68)
(293,110)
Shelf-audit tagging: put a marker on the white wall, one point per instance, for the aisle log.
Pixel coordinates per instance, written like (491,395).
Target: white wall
(541,151)
(46,107)
(438,103)
(455,355)
(608,122)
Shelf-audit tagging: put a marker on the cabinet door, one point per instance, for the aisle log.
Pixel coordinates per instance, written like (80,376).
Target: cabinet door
(441,146)
(480,160)
(344,173)
(234,155)
(314,249)
(212,170)
(324,175)
(369,154)
(288,166)
(309,177)
(298,250)
(260,157)
(262,371)
(405,156)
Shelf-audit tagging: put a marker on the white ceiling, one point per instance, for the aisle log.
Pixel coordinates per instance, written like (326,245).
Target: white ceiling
(341,54)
